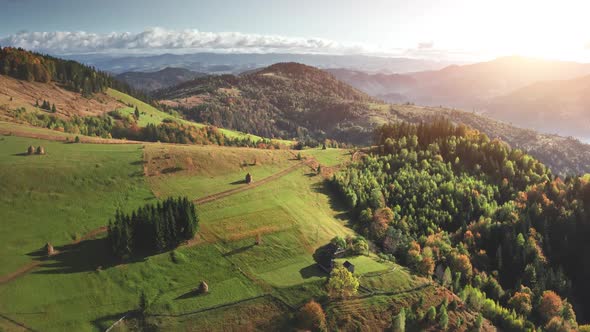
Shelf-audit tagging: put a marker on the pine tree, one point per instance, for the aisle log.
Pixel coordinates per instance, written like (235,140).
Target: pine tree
(53,109)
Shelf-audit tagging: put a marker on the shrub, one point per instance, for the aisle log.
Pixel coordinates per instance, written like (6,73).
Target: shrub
(31,150)
(40,150)
(178,257)
(431,314)
(399,321)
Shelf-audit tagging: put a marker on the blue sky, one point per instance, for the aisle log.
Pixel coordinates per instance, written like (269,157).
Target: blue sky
(415,28)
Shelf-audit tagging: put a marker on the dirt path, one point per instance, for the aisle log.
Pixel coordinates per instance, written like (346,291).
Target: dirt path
(21,271)
(245,187)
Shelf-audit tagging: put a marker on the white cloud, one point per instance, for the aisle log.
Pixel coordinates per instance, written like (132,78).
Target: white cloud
(426,45)
(159,39)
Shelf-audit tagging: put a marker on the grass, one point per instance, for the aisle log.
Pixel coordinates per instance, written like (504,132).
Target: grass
(197,171)
(60,196)
(328,157)
(148,113)
(81,185)
(77,187)
(90,299)
(364,264)
(9,126)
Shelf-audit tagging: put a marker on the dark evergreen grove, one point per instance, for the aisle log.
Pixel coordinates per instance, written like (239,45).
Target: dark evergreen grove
(508,235)
(153,228)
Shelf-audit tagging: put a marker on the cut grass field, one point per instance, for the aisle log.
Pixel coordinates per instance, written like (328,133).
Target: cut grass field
(63,194)
(328,157)
(197,171)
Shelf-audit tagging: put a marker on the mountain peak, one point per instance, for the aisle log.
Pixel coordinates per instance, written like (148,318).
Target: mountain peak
(292,69)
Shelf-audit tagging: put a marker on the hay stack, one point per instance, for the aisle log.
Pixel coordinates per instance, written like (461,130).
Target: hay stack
(40,150)
(49,248)
(203,288)
(31,150)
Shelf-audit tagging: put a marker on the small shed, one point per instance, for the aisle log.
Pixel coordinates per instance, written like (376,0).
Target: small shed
(349,266)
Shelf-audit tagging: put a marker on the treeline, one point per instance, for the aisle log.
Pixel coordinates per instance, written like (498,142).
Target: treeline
(36,67)
(153,228)
(116,126)
(450,203)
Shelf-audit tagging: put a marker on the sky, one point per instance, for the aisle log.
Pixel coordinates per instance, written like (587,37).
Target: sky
(444,30)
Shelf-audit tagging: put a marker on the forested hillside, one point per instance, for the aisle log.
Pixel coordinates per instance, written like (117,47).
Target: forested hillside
(284,100)
(563,155)
(31,66)
(489,222)
(149,81)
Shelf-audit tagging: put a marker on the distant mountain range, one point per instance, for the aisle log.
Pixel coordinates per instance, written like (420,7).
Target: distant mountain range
(167,77)
(293,100)
(216,63)
(561,106)
(512,89)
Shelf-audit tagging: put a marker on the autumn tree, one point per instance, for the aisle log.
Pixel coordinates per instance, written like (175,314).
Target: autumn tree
(521,303)
(342,283)
(312,317)
(550,305)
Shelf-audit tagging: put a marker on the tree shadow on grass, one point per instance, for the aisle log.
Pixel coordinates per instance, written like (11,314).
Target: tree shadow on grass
(238,250)
(89,255)
(22,154)
(171,170)
(312,271)
(238,182)
(336,203)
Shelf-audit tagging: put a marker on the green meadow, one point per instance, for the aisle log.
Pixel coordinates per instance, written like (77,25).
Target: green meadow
(60,196)
(76,188)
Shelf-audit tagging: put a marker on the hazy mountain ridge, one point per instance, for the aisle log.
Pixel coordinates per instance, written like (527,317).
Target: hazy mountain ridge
(167,77)
(549,96)
(561,107)
(234,63)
